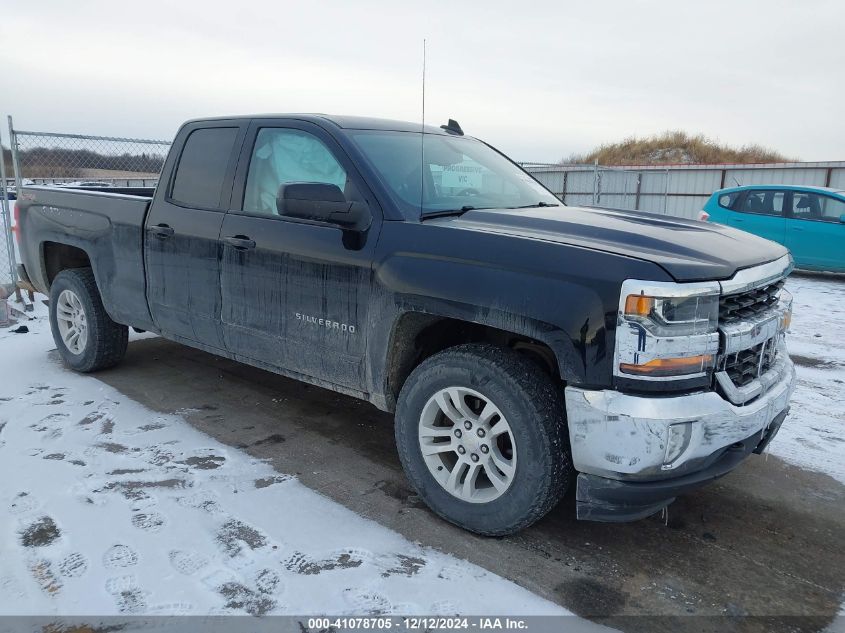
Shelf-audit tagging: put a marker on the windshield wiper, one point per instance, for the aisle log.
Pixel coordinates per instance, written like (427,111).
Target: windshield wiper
(442,212)
(539,204)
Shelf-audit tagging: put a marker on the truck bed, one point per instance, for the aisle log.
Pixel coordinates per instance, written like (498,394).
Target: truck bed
(107,226)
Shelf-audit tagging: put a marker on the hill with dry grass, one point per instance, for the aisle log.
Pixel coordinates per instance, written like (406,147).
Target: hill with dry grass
(674,148)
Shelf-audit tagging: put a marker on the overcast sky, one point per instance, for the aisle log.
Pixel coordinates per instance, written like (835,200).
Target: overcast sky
(540,80)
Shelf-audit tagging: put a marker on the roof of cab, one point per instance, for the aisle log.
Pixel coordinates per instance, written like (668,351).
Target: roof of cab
(340,121)
(810,188)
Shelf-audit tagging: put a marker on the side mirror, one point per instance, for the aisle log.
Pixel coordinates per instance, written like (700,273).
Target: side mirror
(318,201)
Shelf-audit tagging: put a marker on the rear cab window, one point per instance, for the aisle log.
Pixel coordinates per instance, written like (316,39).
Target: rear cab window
(201,172)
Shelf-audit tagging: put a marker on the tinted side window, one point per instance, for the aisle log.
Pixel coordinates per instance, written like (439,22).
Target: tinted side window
(728,200)
(763,202)
(281,156)
(202,167)
(811,206)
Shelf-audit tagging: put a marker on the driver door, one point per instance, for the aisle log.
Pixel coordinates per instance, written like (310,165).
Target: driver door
(295,292)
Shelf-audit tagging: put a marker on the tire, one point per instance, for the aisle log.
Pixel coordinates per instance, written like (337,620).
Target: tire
(74,292)
(531,404)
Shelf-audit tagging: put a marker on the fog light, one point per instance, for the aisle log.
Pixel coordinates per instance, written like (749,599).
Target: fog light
(677,442)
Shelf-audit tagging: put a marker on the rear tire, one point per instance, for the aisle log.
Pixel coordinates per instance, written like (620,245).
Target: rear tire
(451,408)
(86,337)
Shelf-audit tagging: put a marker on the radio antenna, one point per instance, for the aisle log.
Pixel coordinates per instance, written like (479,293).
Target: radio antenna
(422,135)
(423,85)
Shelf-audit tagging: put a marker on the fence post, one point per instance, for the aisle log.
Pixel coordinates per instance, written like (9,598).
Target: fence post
(7,219)
(563,192)
(596,183)
(13,146)
(637,195)
(666,194)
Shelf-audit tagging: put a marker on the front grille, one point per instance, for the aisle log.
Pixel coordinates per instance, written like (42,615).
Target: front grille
(745,366)
(750,304)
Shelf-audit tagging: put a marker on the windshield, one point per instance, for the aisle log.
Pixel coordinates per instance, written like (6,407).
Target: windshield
(457,174)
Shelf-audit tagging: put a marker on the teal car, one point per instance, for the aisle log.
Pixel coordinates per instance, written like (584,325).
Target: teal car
(809,221)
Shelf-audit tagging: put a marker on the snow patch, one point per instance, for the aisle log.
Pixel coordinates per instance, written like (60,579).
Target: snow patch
(813,435)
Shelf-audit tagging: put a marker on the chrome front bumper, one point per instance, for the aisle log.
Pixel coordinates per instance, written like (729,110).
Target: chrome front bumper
(648,438)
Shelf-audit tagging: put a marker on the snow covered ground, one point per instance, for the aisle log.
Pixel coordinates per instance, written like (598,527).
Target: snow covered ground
(109,508)
(813,435)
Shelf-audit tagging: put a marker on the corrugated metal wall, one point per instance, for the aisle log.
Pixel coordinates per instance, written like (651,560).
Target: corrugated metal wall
(677,190)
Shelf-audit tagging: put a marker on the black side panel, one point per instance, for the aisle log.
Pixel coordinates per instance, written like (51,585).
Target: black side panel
(183,273)
(298,300)
(182,251)
(107,227)
(563,296)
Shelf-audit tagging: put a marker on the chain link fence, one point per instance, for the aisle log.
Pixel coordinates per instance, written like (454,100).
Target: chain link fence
(48,158)
(67,160)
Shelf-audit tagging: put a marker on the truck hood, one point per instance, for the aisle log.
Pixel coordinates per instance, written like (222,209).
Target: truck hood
(687,249)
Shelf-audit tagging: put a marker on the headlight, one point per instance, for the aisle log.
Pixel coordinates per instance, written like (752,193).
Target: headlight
(674,316)
(667,331)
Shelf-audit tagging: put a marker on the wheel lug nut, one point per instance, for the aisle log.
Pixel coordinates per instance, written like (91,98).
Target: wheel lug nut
(467,425)
(462,450)
(474,457)
(484,449)
(458,433)
(481,433)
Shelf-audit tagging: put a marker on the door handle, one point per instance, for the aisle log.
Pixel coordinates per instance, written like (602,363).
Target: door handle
(240,242)
(162,231)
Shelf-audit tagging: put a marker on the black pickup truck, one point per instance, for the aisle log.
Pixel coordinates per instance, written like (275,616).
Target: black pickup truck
(524,346)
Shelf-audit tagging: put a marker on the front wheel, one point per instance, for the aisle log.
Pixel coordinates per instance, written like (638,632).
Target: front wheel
(85,335)
(481,434)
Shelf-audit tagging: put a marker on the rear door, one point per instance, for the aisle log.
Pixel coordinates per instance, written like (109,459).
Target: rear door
(181,246)
(761,212)
(295,293)
(815,232)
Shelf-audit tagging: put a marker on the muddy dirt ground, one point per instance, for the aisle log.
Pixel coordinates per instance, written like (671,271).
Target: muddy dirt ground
(767,540)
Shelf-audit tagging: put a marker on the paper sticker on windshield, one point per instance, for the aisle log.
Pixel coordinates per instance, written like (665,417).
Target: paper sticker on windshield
(462,176)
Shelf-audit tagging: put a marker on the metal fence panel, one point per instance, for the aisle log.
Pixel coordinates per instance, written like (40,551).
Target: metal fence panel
(617,189)
(703,181)
(751,176)
(554,181)
(685,206)
(680,190)
(837,178)
(579,183)
(653,182)
(579,200)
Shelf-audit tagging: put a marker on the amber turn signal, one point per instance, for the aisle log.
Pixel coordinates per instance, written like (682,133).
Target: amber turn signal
(670,366)
(638,305)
